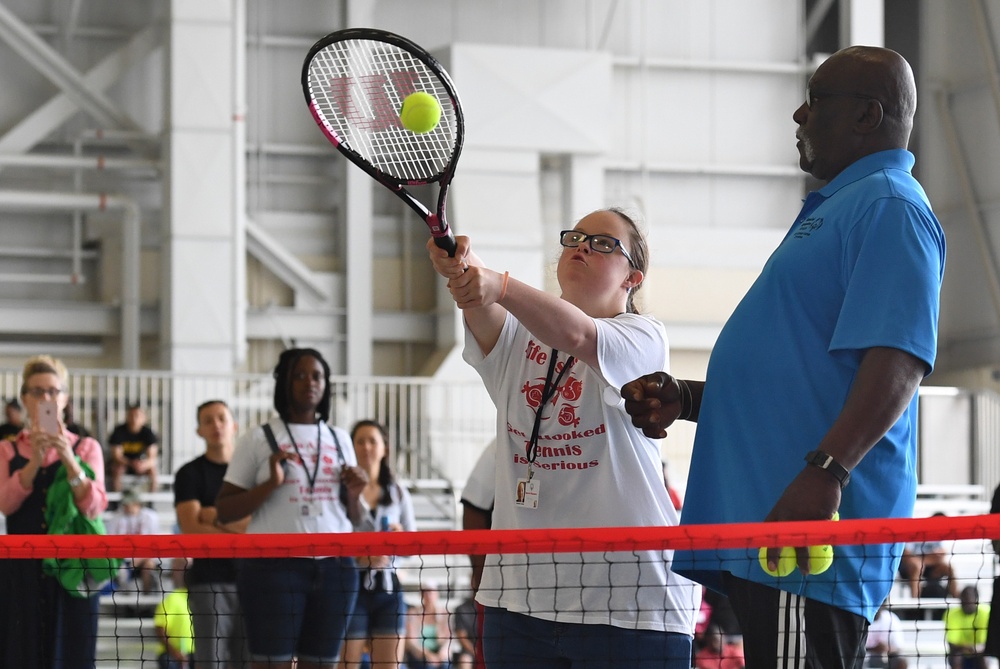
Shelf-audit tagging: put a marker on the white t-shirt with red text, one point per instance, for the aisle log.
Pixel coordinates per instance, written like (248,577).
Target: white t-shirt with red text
(593,469)
(294,508)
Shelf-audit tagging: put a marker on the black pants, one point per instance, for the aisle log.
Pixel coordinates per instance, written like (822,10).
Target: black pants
(789,632)
(41,625)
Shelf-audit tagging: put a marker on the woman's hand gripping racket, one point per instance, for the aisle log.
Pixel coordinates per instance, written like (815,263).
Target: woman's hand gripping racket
(355,82)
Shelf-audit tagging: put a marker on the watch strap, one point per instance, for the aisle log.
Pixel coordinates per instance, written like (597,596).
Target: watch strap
(824,460)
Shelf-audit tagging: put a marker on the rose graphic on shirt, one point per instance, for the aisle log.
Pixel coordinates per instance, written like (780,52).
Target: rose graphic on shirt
(567,415)
(533,393)
(572,389)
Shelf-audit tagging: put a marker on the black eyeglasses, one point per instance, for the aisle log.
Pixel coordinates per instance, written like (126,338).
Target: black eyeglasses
(600,243)
(812,96)
(40,393)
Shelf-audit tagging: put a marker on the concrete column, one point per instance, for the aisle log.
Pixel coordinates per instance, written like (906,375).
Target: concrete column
(862,22)
(200,224)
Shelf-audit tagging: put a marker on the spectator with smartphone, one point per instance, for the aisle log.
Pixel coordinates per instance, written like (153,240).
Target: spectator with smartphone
(41,623)
(134,449)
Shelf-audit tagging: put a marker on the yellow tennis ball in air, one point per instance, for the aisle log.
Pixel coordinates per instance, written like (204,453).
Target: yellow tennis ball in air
(786,561)
(420,113)
(821,557)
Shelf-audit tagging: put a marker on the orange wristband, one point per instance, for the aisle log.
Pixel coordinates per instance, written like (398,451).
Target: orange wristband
(503,286)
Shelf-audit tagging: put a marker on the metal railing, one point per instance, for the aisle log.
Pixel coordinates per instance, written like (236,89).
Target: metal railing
(437,428)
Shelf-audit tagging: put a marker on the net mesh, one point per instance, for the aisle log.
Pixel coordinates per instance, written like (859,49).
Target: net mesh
(127,621)
(356,90)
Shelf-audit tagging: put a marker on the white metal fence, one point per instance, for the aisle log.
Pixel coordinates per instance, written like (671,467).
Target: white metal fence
(437,428)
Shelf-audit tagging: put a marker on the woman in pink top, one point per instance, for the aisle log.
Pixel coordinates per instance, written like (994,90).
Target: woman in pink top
(42,626)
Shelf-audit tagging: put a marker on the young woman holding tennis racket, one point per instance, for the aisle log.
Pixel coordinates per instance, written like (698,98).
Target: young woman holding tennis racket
(547,362)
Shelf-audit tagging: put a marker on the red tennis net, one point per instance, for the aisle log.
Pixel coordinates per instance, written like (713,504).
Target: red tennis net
(127,634)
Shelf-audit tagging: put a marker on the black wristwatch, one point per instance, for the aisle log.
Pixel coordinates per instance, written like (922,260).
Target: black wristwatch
(825,461)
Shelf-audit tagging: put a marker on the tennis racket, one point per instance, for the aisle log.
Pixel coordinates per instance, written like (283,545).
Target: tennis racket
(355,81)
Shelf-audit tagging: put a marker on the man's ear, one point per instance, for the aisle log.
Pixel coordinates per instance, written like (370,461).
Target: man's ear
(871,116)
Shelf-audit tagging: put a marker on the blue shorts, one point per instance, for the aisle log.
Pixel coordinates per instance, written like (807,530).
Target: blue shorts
(517,640)
(377,613)
(296,607)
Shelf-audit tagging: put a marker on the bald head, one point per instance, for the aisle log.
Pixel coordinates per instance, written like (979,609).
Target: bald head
(884,75)
(861,101)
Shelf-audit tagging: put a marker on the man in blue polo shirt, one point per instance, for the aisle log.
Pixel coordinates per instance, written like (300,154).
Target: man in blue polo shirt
(809,403)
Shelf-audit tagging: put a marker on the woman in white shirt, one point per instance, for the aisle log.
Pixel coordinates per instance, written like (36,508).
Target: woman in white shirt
(568,455)
(295,474)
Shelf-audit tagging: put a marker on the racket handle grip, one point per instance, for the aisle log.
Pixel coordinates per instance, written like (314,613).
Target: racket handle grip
(447,242)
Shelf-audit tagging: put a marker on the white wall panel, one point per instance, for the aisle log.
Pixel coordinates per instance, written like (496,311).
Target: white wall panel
(546,100)
(199,319)
(202,96)
(219,11)
(200,205)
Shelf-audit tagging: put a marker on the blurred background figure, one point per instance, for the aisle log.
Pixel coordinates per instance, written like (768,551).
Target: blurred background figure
(927,568)
(378,620)
(13,420)
(465,632)
(132,517)
(715,651)
(70,421)
(965,631)
(173,623)
(885,639)
(134,449)
(427,635)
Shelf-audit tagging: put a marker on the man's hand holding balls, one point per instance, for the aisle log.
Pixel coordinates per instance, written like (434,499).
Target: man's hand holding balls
(820,559)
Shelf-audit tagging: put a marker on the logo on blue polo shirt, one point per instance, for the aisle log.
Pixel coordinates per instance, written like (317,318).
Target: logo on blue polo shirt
(807,227)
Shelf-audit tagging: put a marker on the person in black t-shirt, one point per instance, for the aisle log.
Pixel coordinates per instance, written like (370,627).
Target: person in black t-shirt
(14,422)
(134,449)
(220,640)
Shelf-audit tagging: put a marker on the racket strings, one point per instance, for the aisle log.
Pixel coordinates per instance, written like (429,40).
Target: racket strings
(357,88)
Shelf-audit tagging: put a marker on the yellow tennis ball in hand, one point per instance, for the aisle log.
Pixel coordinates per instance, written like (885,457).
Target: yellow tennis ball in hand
(420,113)
(786,561)
(821,557)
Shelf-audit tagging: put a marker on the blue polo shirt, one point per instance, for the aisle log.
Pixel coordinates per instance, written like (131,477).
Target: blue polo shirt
(860,267)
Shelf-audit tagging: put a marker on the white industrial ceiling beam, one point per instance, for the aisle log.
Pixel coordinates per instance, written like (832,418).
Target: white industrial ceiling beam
(45,119)
(54,67)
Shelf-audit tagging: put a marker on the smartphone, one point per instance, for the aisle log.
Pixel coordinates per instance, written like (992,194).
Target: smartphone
(48,416)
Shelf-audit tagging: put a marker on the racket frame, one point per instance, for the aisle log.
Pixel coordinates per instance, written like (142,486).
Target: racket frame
(436,221)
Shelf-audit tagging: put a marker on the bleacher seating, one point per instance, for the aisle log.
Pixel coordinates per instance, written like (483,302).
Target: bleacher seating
(953,499)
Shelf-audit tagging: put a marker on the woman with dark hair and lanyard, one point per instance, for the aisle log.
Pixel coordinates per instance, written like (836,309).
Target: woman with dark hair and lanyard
(296,474)
(378,621)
